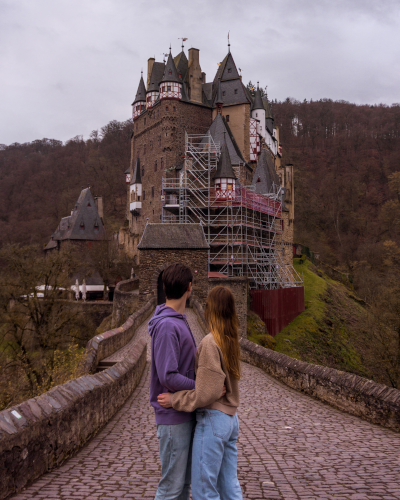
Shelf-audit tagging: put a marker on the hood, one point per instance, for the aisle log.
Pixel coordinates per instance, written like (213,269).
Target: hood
(160,313)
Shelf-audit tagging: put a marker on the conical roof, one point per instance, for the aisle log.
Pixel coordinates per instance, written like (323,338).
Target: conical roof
(156,76)
(136,177)
(265,174)
(219,93)
(141,91)
(170,73)
(258,104)
(224,167)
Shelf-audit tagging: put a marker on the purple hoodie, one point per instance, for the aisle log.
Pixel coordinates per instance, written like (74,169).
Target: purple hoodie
(173,351)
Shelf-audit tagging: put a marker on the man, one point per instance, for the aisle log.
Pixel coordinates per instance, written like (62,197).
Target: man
(173,351)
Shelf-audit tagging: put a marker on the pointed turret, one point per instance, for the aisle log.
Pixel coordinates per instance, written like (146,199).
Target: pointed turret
(171,84)
(225,178)
(135,204)
(153,89)
(258,104)
(139,104)
(265,178)
(258,113)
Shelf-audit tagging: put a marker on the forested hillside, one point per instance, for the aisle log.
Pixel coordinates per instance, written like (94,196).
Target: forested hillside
(41,181)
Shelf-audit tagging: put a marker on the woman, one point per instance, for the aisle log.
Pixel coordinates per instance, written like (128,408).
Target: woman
(214,456)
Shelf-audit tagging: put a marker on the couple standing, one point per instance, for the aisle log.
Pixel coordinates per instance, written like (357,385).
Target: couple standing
(195,447)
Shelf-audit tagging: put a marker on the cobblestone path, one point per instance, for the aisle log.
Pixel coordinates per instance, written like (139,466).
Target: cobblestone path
(290,447)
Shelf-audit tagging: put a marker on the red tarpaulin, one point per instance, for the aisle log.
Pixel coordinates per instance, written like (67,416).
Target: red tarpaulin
(277,308)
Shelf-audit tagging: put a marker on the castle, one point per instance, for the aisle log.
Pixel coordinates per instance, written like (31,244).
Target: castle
(209,153)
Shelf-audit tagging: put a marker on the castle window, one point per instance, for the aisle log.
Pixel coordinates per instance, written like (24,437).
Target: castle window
(162,89)
(144,195)
(143,172)
(152,192)
(170,72)
(155,166)
(236,91)
(168,87)
(162,163)
(174,108)
(89,205)
(227,118)
(149,98)
(229,70)
(144,149)
(258,180)
(166,108)
(256,115)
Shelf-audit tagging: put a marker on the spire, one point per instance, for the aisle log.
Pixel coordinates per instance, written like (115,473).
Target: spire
(141,91)
(136,177)
(258,104)
(224,167)
(229,44)
(170,73)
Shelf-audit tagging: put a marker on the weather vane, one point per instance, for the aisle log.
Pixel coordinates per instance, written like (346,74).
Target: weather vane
(183,40)
(229,44)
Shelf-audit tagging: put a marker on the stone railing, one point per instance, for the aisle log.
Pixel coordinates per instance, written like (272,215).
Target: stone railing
(198,309)
(126,299)
(42,432)
(107,343)
(356,395)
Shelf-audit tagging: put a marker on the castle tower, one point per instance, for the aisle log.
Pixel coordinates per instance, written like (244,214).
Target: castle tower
(139,104)
(258,112)
(171,85)
(225,178)
(135,191)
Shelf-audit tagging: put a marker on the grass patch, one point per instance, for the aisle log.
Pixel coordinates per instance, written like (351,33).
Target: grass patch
(331,330)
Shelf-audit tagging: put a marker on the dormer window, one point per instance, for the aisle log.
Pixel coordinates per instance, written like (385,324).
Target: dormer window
(229,70)
(258,180)
(96,226)
(82,226)
(89,205)
(236,91)
(170,72)
(180,76)
(223,92)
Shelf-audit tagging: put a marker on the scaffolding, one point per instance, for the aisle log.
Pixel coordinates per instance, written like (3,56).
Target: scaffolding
(243,230)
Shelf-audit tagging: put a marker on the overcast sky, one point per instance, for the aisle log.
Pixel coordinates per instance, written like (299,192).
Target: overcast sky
(68,67)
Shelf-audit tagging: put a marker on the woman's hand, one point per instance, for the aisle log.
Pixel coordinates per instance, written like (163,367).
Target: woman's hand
(164,400)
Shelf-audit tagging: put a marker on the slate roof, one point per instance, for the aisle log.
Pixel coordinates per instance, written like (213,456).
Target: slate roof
(181,64)
(218,97)
(136,177)
(141,92)
(258,103)
(224,166)
(80,225)
(207,90)
(156,76)
(267,107)
(217,129)
(265,172)
(170,72)
(51,245)
(165,236)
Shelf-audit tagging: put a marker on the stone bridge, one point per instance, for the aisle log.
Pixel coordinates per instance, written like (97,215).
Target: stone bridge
(291,446)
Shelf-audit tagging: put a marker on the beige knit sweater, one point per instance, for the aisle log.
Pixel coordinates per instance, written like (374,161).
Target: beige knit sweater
(211,375)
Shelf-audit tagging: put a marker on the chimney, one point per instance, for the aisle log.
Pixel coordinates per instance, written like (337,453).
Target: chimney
(150,63)
(99,205)
(203,77)
(195,76)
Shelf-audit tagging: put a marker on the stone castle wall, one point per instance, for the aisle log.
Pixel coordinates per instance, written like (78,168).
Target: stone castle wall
(153,262)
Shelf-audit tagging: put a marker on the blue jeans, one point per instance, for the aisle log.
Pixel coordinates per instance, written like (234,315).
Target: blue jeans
(214,458)
(175,443)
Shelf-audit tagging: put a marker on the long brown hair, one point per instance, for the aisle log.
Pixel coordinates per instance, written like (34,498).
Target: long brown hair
(222,320)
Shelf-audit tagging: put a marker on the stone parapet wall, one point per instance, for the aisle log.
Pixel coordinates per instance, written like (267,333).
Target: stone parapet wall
(238,286)
(42,432)
(107,343)
(126,300)
(356,395)
(198,308)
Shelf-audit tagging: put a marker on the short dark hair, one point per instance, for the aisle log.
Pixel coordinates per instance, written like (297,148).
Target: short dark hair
(176,279)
